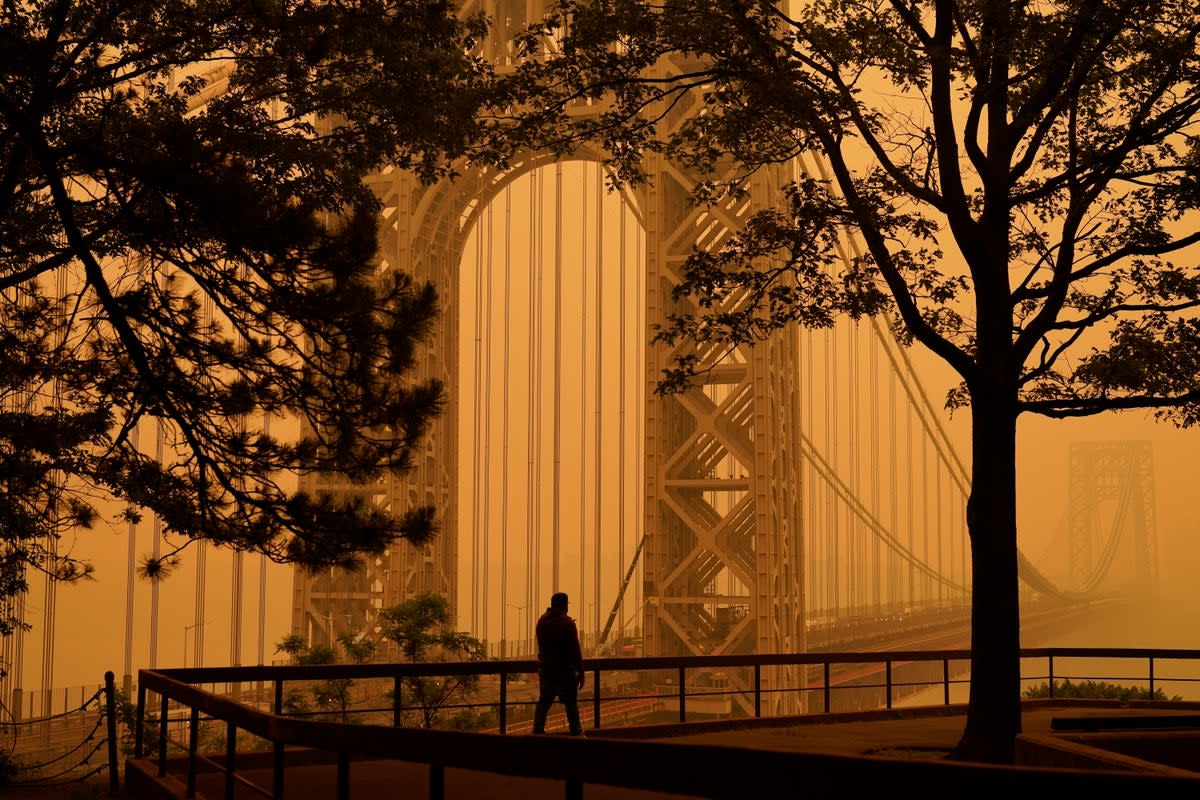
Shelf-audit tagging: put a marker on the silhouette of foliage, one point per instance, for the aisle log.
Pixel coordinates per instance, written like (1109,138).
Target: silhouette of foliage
(1097,690)
(126,710)
(188,248)
(1021,179)
(420,627)
(332,693)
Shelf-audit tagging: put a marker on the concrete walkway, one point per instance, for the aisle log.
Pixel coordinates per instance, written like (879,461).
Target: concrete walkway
(911,735)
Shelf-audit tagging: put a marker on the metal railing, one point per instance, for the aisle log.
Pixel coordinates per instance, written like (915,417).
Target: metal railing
(181,703)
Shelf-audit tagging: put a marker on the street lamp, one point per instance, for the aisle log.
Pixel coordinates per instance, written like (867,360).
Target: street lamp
(186,629)
(522,626)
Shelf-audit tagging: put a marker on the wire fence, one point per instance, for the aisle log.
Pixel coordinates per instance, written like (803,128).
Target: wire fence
(69,746)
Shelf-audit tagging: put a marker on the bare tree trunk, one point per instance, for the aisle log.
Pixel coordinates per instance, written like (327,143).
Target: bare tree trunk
(994,715)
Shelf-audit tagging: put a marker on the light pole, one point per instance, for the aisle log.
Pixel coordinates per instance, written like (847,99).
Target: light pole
(186,629)
(522,626)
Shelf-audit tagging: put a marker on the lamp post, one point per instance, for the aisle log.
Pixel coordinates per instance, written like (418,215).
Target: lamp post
(186,629)
(522,626)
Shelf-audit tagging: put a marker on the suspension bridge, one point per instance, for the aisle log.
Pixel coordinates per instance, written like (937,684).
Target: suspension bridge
(803,485)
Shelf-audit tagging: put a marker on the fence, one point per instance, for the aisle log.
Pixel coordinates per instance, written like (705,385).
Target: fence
(68,746)
(175,719)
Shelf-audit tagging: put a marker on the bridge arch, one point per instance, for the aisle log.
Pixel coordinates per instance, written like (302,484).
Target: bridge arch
(724,560)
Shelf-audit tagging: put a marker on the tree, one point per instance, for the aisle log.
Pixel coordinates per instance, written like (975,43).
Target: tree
(1022,178)
(420,627)
(187,242)
(332,691)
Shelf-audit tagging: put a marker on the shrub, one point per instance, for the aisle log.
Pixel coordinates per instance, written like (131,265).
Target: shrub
(1096,690)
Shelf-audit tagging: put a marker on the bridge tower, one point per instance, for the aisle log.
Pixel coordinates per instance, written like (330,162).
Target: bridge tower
(1112,511)
(723,564)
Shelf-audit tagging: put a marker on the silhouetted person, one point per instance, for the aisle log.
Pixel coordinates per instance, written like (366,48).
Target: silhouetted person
(560,664)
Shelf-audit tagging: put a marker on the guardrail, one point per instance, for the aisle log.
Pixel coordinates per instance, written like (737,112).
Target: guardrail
(177,691)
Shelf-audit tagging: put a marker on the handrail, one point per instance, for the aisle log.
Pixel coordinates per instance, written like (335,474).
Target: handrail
(301,672)
(646,766)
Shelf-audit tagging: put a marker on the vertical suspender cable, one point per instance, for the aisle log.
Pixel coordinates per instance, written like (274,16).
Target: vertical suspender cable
(912,531)
(556,500)
(235,632)
(831,421)
(881,597)
(262,584)
(895,589)
(928,590)
(156,551)
(262,609)
(639,431)
(533,515)
(808,519)
(201,591)
(855,555)
(596,584)
(17,646)
(504,405)
(130,571)
(937,467)
(962,555)
(50,609)
(477,438)
(201,601)
(583,376)
(486,379)
(236,597)
(621,471)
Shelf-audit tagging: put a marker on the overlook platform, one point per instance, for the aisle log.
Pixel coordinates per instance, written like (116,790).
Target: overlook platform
(868,747)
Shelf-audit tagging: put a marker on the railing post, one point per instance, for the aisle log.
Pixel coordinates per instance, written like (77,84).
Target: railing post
(397,700)
(230,757)
(682,707)
(193,748)
(1151,678)
(343,775)
(1050,676)
(945,681)
(164,708)
(826,687)
(139,722)
(596,699)
(277,762)
(110,718)
(503,702)
(758,690)
(887,673)
(437,782)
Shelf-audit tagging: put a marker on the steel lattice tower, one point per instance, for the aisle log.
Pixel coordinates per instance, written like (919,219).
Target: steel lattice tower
(723,565)
(1117,477)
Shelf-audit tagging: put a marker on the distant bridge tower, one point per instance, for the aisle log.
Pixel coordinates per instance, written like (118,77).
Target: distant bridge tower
(1112,515)
(723,567)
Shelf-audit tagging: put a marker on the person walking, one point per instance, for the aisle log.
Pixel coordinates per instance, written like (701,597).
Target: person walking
(560,664)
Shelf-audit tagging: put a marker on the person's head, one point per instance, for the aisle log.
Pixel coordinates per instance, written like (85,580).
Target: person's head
(559,600)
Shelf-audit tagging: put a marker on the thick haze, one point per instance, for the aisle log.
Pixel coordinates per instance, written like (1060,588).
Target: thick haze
(90,622)
(90,627)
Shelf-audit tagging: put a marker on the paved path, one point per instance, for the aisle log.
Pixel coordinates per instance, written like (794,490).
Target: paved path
(915,738)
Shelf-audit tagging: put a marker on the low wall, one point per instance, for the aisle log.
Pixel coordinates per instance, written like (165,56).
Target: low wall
(1159,752)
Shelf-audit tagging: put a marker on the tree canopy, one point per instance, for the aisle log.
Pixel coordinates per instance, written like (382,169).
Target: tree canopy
(1020,178)
(421,628)
(188,250)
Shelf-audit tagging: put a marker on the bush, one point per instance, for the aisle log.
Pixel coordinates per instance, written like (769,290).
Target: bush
(10,767)
(1096,690)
